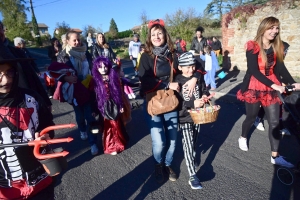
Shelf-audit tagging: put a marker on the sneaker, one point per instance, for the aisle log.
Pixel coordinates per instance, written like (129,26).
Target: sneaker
(285,131)
(279,160)
(50,97)
(195,183)
(172,174)
(129,96)
(114,153)
(133,96)
(159,175)
(259,125)
(243,144)
(94,149)
(83,135)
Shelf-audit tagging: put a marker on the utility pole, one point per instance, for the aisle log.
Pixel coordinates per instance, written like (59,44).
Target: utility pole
(35,27)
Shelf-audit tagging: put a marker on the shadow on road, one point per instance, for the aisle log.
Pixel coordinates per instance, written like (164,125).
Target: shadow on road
(230,75)
(213,135)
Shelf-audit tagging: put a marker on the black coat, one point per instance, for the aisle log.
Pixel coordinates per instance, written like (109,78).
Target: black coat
(198,46)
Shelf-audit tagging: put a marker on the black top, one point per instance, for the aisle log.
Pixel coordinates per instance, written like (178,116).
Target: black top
(198,46)
(156,78)
(186,102)
(216,45)
(280,70)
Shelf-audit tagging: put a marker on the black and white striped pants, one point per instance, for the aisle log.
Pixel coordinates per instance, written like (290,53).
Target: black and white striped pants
(190,134)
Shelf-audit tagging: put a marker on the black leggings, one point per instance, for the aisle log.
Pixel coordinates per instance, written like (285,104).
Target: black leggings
(272,114)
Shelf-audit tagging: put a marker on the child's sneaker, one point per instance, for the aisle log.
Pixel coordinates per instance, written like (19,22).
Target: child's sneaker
(285,131)
(83,135)
(94,149)
(195,183)
(243,144)
(129,96)
(279,160)
(259,125)
(133,95)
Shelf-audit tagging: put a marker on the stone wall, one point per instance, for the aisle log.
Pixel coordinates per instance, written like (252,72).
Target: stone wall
(234,36)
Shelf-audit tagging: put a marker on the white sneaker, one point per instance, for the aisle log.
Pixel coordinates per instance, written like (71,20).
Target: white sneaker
(243,144)
(129,96)
(281,161)
(114,153)
(94,149)
(285,131)
(83,135)
(259,125)
(133,96)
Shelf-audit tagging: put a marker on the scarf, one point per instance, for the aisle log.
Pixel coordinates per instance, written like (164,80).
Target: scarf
(78,53)
(208,62)
(161,51)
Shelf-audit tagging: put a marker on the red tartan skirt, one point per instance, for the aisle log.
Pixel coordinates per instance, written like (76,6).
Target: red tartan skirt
(259,92)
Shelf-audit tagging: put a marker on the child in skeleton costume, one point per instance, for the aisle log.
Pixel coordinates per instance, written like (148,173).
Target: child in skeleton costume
(188,129)
(110,104)
(23,113)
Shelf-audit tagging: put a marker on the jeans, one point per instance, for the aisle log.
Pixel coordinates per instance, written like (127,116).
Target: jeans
(84,117)
(163,129)
(134,61)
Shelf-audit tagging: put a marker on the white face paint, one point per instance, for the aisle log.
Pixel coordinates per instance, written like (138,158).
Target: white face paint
(103,69)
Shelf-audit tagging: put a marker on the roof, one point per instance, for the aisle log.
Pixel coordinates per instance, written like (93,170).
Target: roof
(76,30)
(40,25)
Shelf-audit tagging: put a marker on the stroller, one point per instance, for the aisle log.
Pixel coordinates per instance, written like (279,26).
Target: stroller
(290,119)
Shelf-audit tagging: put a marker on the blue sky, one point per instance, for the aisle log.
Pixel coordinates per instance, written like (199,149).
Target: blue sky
(98,13)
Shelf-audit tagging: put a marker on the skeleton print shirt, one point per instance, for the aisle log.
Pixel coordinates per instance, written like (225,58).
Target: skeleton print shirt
(18,123)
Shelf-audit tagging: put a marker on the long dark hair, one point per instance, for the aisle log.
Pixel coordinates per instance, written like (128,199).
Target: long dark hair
(149,46)
(114,85)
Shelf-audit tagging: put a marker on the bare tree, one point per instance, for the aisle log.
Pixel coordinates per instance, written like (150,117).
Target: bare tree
(144,29)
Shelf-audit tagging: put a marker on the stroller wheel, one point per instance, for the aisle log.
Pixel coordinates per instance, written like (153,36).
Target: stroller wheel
(285,176)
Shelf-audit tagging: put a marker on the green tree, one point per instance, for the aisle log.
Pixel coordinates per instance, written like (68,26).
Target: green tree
(14,19)
(35,27)
(183,23)
(113,29)
(61,28)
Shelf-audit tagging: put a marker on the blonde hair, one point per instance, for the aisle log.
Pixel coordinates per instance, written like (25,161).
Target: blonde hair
(276,44)
(104,45)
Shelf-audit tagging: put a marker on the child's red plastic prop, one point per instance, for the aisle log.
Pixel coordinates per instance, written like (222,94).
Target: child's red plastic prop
(37,143)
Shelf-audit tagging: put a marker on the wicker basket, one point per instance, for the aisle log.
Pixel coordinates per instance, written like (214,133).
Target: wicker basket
(201,117)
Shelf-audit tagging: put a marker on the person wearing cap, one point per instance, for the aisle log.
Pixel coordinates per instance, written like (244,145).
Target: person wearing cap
(134,50)
(20,43)
(23,114)
(155,74)
(28,78)
(189,130)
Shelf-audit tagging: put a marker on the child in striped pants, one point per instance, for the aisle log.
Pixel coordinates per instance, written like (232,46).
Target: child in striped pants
(189,130)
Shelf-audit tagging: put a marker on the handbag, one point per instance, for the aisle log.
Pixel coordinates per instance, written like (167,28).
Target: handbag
(162,101)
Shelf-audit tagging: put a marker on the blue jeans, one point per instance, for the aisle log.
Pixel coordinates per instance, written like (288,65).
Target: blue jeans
(163,129)
(84,117)
(134,61)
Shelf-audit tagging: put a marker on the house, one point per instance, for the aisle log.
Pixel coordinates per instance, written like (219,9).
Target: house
(137,29)
(56,31)
(43,29)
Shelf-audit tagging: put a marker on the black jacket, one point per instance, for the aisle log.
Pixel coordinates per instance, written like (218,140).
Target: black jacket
(156,78)
(186,102)
(216,45)
(280,71)
(198,46)
(63,57)
(98,51)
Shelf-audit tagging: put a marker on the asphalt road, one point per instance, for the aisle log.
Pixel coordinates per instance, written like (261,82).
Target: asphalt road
(225,171)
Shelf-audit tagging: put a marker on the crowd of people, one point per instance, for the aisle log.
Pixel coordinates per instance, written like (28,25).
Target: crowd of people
(89,77)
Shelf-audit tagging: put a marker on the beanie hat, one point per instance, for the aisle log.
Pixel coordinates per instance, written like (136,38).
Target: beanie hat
(186,59)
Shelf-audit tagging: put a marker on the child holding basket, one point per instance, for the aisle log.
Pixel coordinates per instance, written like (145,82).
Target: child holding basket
(189,129)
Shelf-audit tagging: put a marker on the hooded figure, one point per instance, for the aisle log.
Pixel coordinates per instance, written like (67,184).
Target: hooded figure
(23,114)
